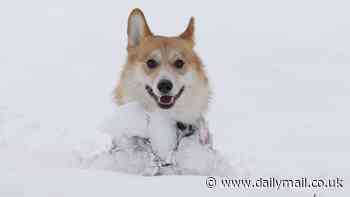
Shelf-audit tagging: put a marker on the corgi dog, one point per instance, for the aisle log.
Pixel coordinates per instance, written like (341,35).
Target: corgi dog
(163,73)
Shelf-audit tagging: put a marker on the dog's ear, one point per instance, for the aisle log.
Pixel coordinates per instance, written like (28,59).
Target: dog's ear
(138,29)
(188,34)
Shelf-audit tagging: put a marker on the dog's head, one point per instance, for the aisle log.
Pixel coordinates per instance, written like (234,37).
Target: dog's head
(163,72)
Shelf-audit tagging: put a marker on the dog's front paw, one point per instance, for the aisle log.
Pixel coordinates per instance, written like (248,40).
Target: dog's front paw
(204,133)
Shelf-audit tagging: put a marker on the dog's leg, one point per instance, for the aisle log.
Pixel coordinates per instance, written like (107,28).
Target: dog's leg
(154,167)
(204,134)
(170,159)
(155,164)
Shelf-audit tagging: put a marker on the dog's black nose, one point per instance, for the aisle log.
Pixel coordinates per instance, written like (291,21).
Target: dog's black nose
(164,86)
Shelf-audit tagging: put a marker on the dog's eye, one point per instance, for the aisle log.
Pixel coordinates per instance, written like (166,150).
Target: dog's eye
(179,63)
(151,63)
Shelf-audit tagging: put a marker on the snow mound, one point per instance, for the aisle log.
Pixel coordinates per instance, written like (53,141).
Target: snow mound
(117,145)
(130,125)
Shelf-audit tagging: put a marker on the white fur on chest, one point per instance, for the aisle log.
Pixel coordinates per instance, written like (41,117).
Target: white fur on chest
(132,120)
(162,134)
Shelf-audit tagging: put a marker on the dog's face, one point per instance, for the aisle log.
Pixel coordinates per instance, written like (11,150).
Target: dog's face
(163,72)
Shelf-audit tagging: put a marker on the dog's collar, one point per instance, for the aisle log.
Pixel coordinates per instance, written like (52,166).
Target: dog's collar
(186,129)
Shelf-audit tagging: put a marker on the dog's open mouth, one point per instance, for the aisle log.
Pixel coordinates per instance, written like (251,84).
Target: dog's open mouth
(164,101)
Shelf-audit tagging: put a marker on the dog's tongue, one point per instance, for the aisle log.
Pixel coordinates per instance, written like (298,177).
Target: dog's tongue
(166,99)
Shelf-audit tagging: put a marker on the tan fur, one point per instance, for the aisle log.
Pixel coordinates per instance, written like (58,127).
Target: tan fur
(167,50)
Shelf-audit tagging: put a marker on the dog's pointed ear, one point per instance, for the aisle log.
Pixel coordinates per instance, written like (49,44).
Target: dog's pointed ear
(188,34)
(138,28)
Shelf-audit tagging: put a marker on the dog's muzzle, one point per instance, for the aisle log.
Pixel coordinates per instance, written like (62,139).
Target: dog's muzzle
(164,101)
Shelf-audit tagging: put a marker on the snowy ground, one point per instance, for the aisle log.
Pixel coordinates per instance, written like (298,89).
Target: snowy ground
(279,71)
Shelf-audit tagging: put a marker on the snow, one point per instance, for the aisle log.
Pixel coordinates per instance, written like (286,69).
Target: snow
(130,119)
(278,70)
